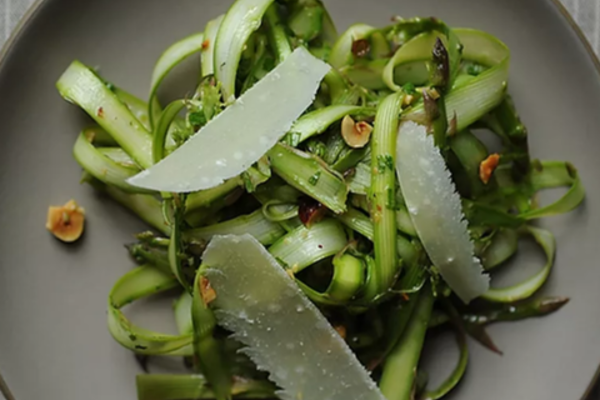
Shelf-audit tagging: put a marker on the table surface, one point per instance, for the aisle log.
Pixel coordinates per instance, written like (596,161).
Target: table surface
(585,12)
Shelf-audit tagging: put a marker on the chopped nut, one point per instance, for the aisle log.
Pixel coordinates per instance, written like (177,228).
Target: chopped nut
(66,222)
(311,211)
(341,330)
(206,291)
(487,167)
(434,93)
(361,48)
(356,134)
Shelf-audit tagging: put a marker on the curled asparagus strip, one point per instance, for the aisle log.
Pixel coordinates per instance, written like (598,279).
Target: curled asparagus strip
(571,200)
(162,129)
(530,286)
(457,374)
(145,206)
(102,167)
(172,57)
(255,224)
(400,367)
(303,247)
(137,284)
(277,34)
(341,53)
(242,19)
(208,46)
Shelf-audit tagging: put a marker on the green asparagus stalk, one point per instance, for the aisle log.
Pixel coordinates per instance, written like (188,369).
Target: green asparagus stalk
(383,192)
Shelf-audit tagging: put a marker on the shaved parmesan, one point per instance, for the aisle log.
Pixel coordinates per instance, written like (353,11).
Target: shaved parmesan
(239,136)
(284,333)
(436,211)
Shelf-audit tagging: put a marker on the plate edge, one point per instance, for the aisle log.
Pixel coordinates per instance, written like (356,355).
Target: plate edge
(34,8)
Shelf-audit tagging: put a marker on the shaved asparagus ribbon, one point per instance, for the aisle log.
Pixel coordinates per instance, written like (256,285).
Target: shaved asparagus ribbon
(135,285)
(242,19)
(530,286)
(436,211)
(173,56)
(102,167)
(82,86)
(209,45)
(341,53)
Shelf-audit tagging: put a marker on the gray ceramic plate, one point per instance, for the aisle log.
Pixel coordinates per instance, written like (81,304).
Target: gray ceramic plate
(53,339)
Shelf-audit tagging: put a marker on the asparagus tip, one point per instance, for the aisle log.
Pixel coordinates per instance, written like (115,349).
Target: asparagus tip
(552,304)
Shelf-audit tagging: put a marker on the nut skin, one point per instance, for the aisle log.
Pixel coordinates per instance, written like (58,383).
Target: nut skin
(356,134)
(66,222)
(206,291)
(487,168)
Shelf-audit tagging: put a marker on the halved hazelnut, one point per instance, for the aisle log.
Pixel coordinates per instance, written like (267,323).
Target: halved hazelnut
(206,291)
(356,134)
(66,223)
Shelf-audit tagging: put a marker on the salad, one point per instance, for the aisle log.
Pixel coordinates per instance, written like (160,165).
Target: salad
(321,201)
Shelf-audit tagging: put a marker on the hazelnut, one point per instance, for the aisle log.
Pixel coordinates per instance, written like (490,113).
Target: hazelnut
(66,222)
(356,134)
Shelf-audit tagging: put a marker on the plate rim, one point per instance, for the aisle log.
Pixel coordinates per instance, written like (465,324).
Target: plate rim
(37,4)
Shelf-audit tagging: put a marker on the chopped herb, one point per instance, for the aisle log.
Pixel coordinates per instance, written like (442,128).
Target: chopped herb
(361,48)
(138,347)
(385,162)
(197,119)
(313,180)
(409,88)
(474,69)
(391,204)
(132,337)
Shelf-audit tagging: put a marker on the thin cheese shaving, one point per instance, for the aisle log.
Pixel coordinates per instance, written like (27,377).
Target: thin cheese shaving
(436,211)
(239,136)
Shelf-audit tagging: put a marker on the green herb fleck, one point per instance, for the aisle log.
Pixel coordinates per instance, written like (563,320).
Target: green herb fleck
(474,69)
(313,180)
(385,162)
(197,119)
(132,337)
(409,88)
(391,203)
